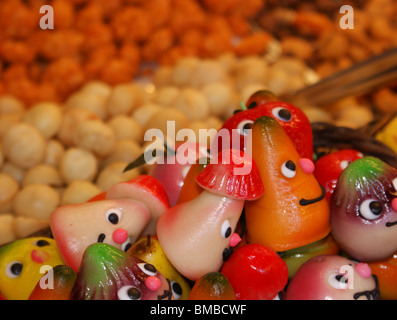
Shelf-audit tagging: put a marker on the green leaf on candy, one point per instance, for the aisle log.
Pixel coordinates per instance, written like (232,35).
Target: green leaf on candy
(149,155)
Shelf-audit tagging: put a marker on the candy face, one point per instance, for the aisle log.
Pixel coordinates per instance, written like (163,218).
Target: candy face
(332,277)
(195,235)
(148,249)
(117,222)
(20,264)
(293,210)
(147,190)
(291,119)
(364,210)
(107,273)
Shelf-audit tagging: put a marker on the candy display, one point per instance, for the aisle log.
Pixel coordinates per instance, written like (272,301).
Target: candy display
(293,211)
(364,210)
(154,150)
(197,235)
(21,262)
(332,277)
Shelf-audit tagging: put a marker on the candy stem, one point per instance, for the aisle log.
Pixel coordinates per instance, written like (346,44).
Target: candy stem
(242,105)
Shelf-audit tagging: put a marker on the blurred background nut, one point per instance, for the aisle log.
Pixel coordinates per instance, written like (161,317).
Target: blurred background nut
(88,100)
(9,187)
(24,145)
(43,174)
(14,171)
(45,116)
(166,95)
(95,136)
(10,104)
(113,173)
(36,201)
(97,87)
(145,112)
(125,150)
(219,97)
(124,98)
(54,153)
(25,226)
(79,191)
(7,233)
(78,164)
(126,127)
(193,103)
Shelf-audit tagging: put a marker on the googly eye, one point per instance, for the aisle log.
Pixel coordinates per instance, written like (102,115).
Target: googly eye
(288,169)
(126,245)
(371,209)
(176,290)
(113,216)
(282,114)
(338,281)
(244,126)
(148,269)
(129,293)
(226,229)
(42,243)
(13,269)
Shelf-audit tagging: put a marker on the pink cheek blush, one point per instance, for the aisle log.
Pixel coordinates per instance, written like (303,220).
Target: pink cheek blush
(234,240)
(153,283)
(120,235)
(394,204)
(307,165)
(363,270)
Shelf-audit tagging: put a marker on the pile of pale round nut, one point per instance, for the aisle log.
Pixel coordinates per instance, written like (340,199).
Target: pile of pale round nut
(58,154)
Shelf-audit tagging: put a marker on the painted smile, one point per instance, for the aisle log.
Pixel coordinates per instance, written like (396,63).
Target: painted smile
(167,294)
(306,202)
(390,224)
(370,294)
(101,237)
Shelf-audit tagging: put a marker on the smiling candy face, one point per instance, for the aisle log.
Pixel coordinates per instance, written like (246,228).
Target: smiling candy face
(293,210)
(364,210)
(116,222)
(107,273)
(332,277)
(20,264)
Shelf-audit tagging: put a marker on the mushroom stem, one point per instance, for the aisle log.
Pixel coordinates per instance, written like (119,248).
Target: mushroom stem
(192,230)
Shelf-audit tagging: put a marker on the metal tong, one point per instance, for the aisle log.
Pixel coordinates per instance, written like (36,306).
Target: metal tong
(359,79)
